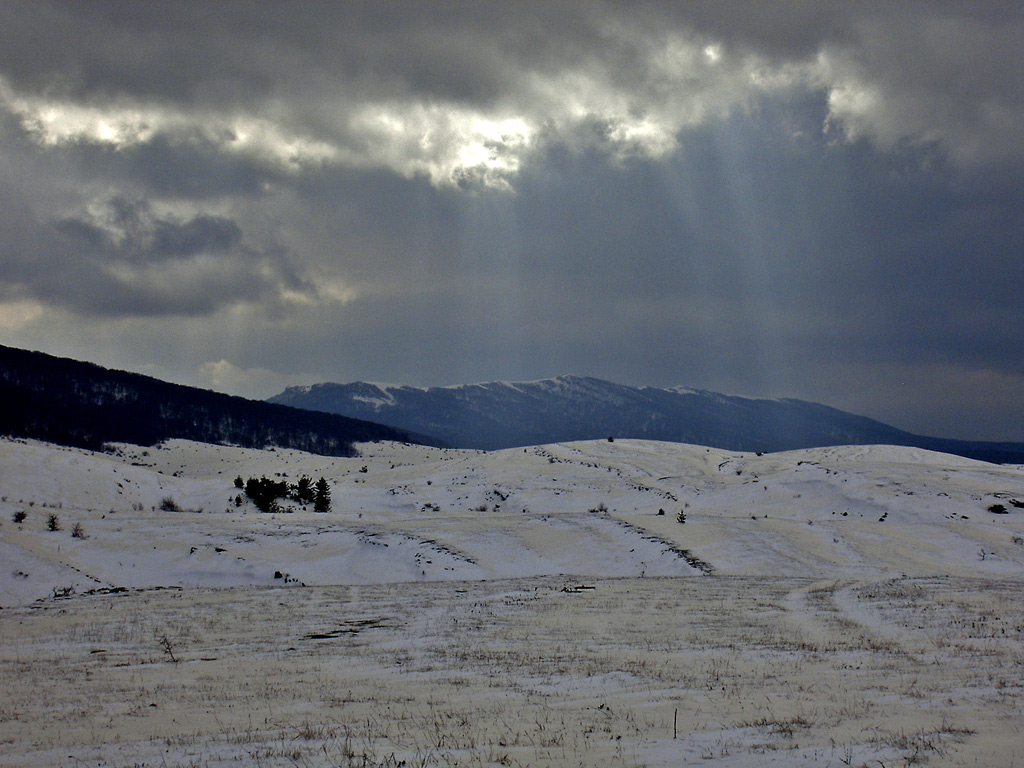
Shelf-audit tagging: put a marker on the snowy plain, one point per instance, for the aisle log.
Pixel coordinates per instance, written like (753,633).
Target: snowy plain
(539,606)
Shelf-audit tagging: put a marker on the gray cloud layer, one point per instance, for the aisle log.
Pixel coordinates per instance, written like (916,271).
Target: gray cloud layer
(808,199)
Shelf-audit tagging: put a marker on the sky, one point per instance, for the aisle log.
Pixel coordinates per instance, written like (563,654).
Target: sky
(805,199)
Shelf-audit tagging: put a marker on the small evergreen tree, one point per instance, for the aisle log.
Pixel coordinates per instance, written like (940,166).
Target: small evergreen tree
(322,496)
(303,491)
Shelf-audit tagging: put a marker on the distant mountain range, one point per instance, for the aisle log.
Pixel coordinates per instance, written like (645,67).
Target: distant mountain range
(84,405)
(75,403)
(504,415)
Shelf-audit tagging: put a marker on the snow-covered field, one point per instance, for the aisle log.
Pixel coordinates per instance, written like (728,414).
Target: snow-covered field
(539,606)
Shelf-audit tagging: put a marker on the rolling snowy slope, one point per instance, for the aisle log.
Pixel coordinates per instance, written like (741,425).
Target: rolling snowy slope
(589,509)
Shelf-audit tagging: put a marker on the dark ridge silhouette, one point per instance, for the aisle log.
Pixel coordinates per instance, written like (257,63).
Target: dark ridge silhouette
(87,406)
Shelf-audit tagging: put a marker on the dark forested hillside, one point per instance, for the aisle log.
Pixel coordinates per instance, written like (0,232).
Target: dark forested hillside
(80,404)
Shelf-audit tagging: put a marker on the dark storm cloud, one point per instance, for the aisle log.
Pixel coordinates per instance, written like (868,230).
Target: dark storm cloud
(125,260)
(186,52)
(902,268)
(805,198)
(191,167)
(133,233)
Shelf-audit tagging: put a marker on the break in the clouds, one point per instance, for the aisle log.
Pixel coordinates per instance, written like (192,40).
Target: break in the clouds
(799,199)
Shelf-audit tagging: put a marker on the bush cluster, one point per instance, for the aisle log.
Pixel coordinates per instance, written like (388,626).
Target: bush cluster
(265,492)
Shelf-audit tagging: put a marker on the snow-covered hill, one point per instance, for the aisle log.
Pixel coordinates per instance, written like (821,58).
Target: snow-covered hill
(499,415)
(459,612)
(405,513)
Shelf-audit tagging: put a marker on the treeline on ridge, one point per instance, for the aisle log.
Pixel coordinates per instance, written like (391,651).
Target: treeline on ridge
(87,406)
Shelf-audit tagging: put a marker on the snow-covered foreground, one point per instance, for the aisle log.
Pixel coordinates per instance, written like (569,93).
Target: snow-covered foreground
(735,671)
(841,606)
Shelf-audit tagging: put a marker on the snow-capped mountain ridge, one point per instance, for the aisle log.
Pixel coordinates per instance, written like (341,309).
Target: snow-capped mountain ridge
(494,415)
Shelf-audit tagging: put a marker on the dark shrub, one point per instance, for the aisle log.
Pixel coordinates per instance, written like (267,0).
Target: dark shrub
(265,492)
(167,504)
